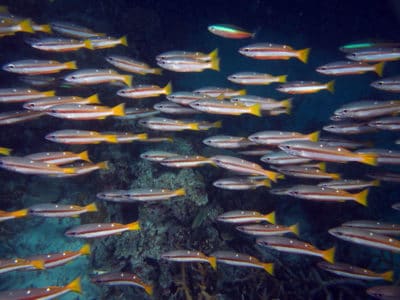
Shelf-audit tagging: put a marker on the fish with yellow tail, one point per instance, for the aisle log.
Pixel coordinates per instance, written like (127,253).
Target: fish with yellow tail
(219,93)
(10,27)
(14,264)
(145,91)
(268,51)
(19,116)
(228,142)
(141,195)
(246,216)
(349,184)
(14,95)
(374,226)
(104,42)
(188,54)
(189,256)
(274,138)
(8,215)
(55,210)
(121,278)
(186,161)
(214,106)
(45,103)
(97,230)
(188,63)
(242,260)
(256,78)
(131,65)
(74,111)
(241,183)
(59,44)
(97,76)
(48,292)
(80,137)
(339,68)
(38,67)
(268,229)
(59,158)
(166,124)
(307,172)
(73,30)
(295,246)
(306,87)
(239,165)
(27,166)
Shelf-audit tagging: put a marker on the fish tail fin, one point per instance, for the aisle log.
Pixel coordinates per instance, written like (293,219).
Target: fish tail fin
(69,170)
(180,192)
(26,26)
(93,99)
(119,110)
(330,86)
(213,262)
(91,207)
(242,92)
(295,229)
(75,285)
(274,176)
(123,41)
(142,136)
(287,104)
(314,136)
(133,226)
(270,217)
(168,88)
(255,109)
(376,183)
(157,71)
(127,79)
(303,54)
(49,93)
(148,289)
(213,54)
(217,124)
(85,250)
(215,64)
(329,255)
(322,166)
(38,264)
(103,165)
(194,126)
(268,267)
(111,138)
(282,78)
(20,213)
(71,64)
(378,68)
(369,158)
(169,139)
(84,155)
(335,176)
(266,182)
(88,44)
(388,276)
(5,151)
(361,197)
(46,28)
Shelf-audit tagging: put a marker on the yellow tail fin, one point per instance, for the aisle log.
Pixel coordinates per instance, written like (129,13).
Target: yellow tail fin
(303,54)
(295,229)
(119,110)
(266,182)
(91,207)
(217,124)
(75,285)
(168,89)
(287,104)
(84,156)
(69,170)
(361,197)
(369,158)
(71,64)
(281,78)
(93,99)
(142,136)
(180,192)
(38,264)
(378,68)
(321,166)
(335,176)
(215,64)
(19,213)
(85,250)
(5,151)
(49,93)
(127,79)
(43,28)
(133,226)
(213,54)
(213,262)
(388,276)
(111,138)
(194,126)
(329,255)
(376,183)
(255,109)
(242,92)
(103,165)
(148,289)
(314,137)
(330,86)
(274,176)
(123,41)
(88,44)
(26,26)
(270,217)
(156,71)
(268,267)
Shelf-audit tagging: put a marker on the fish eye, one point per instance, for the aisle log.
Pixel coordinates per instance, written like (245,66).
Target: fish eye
(196,104)
(345,110)
(380,82)
(246,50)
(11,66)
(73,77)
(256,138)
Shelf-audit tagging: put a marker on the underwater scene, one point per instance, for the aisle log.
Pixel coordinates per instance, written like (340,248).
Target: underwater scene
(199,150)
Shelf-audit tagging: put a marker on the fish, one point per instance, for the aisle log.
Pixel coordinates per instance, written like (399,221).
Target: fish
(274,51)
(384,292)
(187,64)
(291,245)
(129,137)
(157,155)
(186,161)
(165,124)
(384,156)
(53,260)
(241,183)
(368,109)
(213,106)
(19,116)
(267,104)
(391,84)
(274,138)
(374,226)
(188,54)
(73,30)
(81,112)
(189,256)
(5,151)
(366,238)
(268,229)
(8,215)
(80,137)
(121,278)
(346,67)
(48,292)
(219,92)
(141,195)
(134,113)
(255,151)
(346,270)
(56,210)
(16,95)
(255,78)
(349,144)
(349,184)
(307,172)
(14,264)
(306,87)
(27,166)
(230,31)
(97,76)
(131,65)
(47,102)
(323,152)
(246,216)
(322,194)
(38,67)
(242,260)
(59,158)
(387,123)
(145,91)
(172,108)
(349,128)
(9,27)
(375,54)
(104,42)
(59,44)
(96,230)
(227,142)
(185,98)
(282,158)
